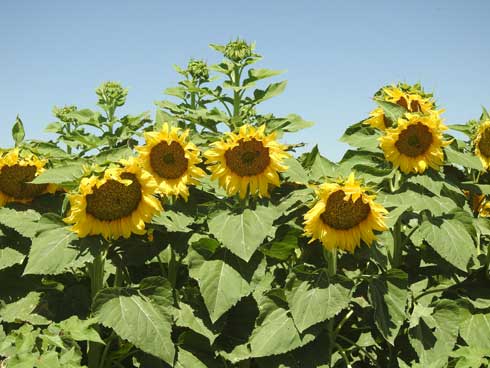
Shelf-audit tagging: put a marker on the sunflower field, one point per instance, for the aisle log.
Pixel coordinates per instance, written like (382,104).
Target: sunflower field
(198,237)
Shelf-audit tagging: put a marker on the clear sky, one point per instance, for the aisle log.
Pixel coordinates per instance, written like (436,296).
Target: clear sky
(336,53)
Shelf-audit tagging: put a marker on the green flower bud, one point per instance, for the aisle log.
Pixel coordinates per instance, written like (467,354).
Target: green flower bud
(111,94)
(198,69)
(238,50)
(63,113)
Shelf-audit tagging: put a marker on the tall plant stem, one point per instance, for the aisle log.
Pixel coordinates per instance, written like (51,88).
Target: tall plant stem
(173,270)
(331,260)
(236,95)
(96,273)
(487,263)
(397,245)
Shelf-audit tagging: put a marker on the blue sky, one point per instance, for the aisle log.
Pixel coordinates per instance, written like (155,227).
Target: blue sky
(336,53)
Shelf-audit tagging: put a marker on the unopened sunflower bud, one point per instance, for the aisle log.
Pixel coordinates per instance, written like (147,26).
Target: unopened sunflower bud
(63,113)
(238,50)
(111,94)
(198,70)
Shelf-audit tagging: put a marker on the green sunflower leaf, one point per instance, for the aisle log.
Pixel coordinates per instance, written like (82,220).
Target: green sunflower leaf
(63,174)
(468,160)
(475,331)
(312,305)
(449,238)
(242,234)
(388,294)
(220,284)
(18,132)
(23,310)
(136,319)
(53,252)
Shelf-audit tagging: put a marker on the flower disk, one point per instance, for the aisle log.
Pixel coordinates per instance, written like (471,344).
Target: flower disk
(172,160)
(416,143)
(247,161)
(344,215)
(482,143)
(16,173)
(118,204)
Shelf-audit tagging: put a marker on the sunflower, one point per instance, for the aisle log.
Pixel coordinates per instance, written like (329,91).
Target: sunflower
(247,160)
(344,215)
(396,95)
(16,173)
(409,99)
(114,205)
(416,143)
(418,103)
(478,203)
(482,143)
(172,160)
(377,119)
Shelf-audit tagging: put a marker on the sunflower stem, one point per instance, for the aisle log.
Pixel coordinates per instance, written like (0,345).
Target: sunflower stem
(397,245)
(331,260)
(487,263)
(236,96)
(330,257)
(118,277)
(96,273)
(173,269)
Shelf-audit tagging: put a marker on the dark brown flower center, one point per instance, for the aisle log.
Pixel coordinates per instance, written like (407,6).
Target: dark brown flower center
(402,101)
(168,160)
(114,200)
(484,143)
(343,215)
(14,181)
(415,140)
(248,158)
(415,106)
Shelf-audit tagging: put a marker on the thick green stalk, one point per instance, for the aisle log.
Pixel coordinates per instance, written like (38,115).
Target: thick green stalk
(118,277)
(487,264)
(331,259)
(236,94)
(397,245)
(193,101)
(173,269)
(96,272)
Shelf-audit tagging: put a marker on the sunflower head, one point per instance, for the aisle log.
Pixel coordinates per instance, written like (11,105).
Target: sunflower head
(247,161)
(397,96)
(111,94)
(116,204)
(238,50)
(377,119)
(172,160)
(344,215)
(17,170)
(411,97)
(416,143)
(478,203)
(198,70)
(481,143)
(63,113)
